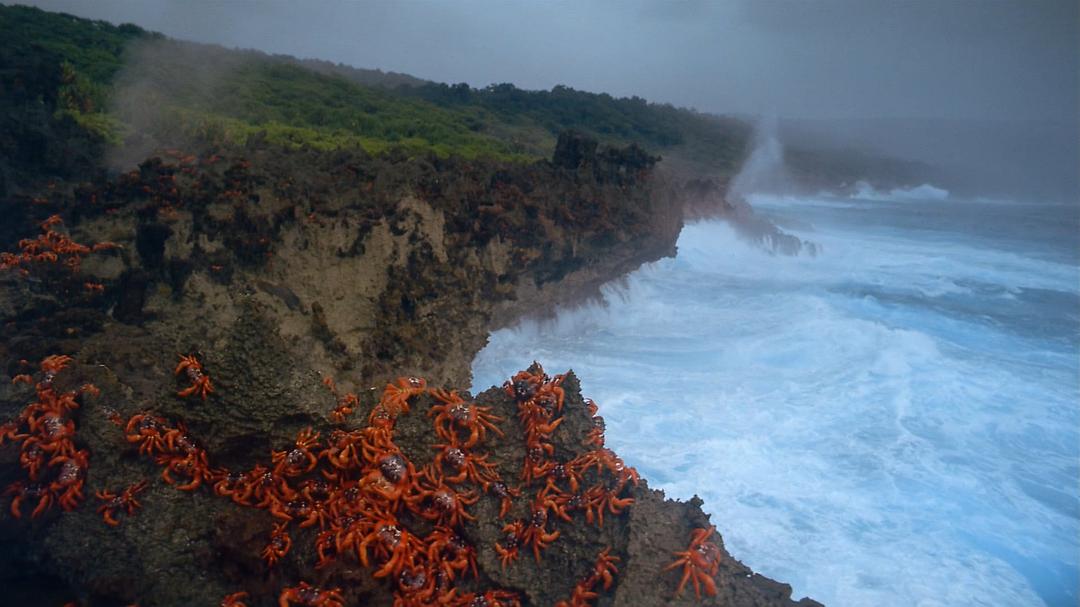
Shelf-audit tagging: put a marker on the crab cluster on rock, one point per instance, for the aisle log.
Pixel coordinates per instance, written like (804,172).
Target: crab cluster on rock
(360,499)
(365,497)
(372,505)
(55,467)
(52,249)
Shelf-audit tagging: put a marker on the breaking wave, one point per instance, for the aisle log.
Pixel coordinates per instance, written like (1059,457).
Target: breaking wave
(895,421)
(865,191)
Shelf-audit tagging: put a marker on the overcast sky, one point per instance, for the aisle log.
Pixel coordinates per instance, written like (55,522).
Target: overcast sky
(817,59)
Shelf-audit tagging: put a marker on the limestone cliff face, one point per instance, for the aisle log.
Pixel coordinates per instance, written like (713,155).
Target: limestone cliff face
(278,270)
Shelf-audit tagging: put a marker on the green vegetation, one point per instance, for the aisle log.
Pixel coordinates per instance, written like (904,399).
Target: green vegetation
(241,95)
(115,81)
(94,48)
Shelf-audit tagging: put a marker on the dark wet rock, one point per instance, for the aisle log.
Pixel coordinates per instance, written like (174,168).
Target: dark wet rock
(150,243)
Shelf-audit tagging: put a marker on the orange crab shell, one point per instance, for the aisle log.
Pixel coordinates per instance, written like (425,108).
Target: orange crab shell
(700,562)
(187,362)
(234,600)
(203,387)
(127,502)
(200,381)
(279,545)
(322,597)
(55,363)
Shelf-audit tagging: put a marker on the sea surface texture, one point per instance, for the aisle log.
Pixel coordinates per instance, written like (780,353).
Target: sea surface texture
(894,421)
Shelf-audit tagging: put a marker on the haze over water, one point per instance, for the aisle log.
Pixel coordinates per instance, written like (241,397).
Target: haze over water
(895,421)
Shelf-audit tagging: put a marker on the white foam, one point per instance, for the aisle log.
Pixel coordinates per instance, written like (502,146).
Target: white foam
(851,433)
(865,191)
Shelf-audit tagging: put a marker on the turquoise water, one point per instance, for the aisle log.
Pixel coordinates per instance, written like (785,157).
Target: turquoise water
(895,421)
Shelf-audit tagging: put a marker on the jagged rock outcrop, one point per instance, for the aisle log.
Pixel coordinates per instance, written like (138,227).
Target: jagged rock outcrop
(279,269)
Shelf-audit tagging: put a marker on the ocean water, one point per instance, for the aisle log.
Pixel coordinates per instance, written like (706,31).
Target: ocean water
(895,421)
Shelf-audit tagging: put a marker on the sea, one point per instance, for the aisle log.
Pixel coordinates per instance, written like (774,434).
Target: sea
(891,420)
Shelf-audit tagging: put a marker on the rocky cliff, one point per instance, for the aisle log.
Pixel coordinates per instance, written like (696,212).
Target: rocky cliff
(301,283)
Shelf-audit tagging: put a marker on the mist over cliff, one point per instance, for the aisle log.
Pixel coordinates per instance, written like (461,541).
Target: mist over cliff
(985,95)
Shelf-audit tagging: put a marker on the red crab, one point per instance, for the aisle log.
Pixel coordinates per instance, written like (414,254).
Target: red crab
(9,431)
(416,587)
(604,568)
(306,595)
(491,598)
(234,600)
(508,546)
(234,485)
(51,365)
(349,534)
(456,411)
(399,546)
(148,431)
(326,547)
(68,484)
(395,398)
(346,404)
(605,459)
(200,381)
(194,466)
(451,552)
(265,487)
(523,385)
(595,437)
(114,503)
(475,468)
(536,532)
(279,545)
(345,407)
(555,472)
(597,499)
(602,571)
(700,562)
(505,495)
(550,396)
(23,491)
(299,508)
(443,504)
(32,457)
(341,450)
(581,596)
(392,480)
(300,459)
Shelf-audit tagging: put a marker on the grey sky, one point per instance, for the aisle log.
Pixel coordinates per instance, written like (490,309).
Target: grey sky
(815,59)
